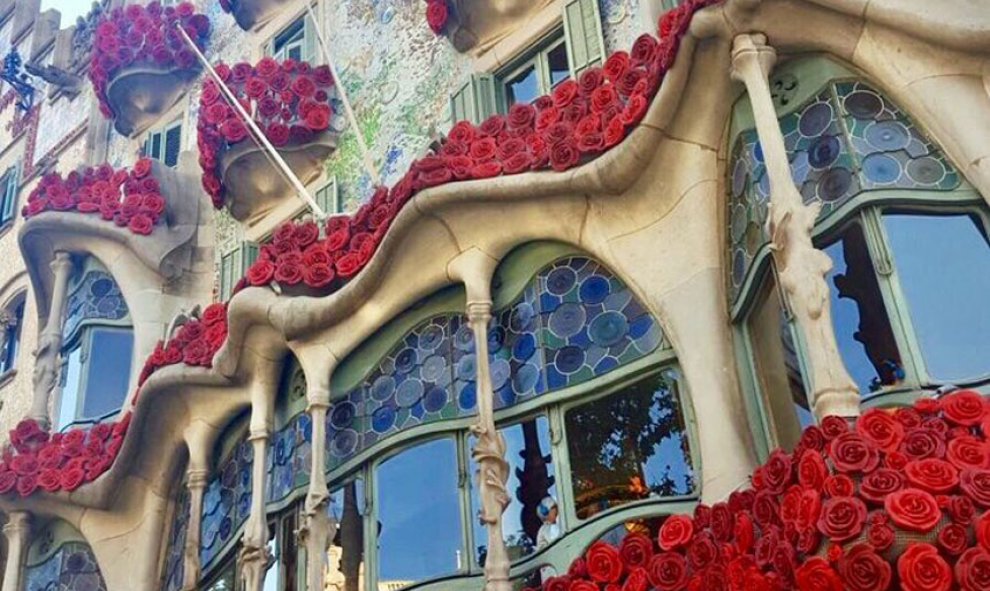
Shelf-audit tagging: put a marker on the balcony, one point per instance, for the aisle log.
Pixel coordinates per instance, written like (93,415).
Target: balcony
(251,14)
(474,25)
(291,103)
(142,65)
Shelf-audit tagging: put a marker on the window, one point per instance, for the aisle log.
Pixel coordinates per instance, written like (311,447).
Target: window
(8,195)
(537,74)
(225,579)
(328,197)
(165,145)
(629,446)
(284,572)
(417,493)
(296,42)
(11,321)
(233,266)
(345,556)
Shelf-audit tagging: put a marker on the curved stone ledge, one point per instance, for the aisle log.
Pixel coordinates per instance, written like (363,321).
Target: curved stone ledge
(254,186)
(251,14)
(140,94)
(475,25)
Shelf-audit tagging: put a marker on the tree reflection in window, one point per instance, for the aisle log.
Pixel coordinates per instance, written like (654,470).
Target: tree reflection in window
(419,514)
(629,446)
(530,480)
(345,556)
(224,581)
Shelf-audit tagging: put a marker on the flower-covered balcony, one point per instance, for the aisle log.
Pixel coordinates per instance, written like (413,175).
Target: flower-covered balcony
(291,104)
(477,24)
(142,65)
(251,14)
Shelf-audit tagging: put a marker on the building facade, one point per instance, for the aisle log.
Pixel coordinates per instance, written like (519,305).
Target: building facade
(480,284)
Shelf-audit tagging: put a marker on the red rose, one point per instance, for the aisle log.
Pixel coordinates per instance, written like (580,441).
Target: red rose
(637,580)
(304,86)
(215,336)
(141,224)
(636,550)
(816,575)
(629,81)
(953,539)
(486,170)
(968,452)
(517,163)
(25,464)
(255,87)
(863,570)
(565,93)
(973,570)
(436,15)
(261,273)
(922,443)
(616,65)
(546,118)
(493,126)
(811,470)
(602,97)
(851,453)
(676,532)
(305,234)
(744,532)
(842,518)
(8,480)
(462,132)
(839,485)
(777,471)
(48,480)
(288,269)
(603,563)
(615,131)
(643,50)
(71,478)
(233,130)
(876,485)
(881,428)
(317,276)
(963,407)
(635,109)
(348,265)
(214,314)
(913,509)
(267,67)
(983,531)
(976,484)
(564,155)
(195,352)
(483,149)
(922,569)
(26,485)
(935,476)
(240,72)
(142,168)
(881,537)
(668,571)
(833,426)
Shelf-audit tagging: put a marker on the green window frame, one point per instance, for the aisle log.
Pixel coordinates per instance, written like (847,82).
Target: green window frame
(233,265)
(328,197)
(9,183)
(165,144)
(296,41)
(539,61)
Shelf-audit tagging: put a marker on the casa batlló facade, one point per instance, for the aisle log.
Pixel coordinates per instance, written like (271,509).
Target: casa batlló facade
(576,295)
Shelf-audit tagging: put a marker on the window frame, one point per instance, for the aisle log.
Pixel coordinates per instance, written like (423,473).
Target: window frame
(9,192)
(17,306)
(162,134)
(84,343)
(537,56)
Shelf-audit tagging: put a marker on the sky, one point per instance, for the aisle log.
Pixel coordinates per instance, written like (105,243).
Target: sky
(70,9)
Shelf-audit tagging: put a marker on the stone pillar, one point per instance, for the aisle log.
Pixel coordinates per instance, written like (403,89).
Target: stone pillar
(800,267)
(317,529)
(16,530)
(489,453)
(196,481)
(46,364)
(254,557)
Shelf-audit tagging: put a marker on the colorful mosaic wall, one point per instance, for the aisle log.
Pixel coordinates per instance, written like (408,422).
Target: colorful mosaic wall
(70,568)
(846,140)
(575,321)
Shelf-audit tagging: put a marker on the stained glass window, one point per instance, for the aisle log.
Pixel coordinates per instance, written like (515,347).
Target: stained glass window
(847,139)
(174,560)
(289,458)
(226,503)
(70,568)
(95,297)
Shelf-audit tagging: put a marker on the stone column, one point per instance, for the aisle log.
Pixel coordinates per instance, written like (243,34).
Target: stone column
(489,453)
(254,557)
(196,481)
(801,268)
(46,364)
(317,529)
(16,530)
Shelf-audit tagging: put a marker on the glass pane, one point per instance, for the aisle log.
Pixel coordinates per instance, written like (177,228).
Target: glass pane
(557,64)
(778,372)
(294,33)
(524,87)
(862,325)
(72,373)
(943,264)
(295,52)
(225,582)
(629,446)
(109,371)
(530,481)
(345,556)
(271,575)
(417,493)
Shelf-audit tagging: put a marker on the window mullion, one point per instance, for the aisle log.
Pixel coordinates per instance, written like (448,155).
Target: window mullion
(562,468)
(370,524)
(464,495)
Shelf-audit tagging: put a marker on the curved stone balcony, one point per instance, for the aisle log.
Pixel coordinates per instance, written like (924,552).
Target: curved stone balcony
(251,14)
(139,95)
(477,24)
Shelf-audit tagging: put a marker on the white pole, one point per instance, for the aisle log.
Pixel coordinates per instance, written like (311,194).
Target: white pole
(267,146)
(369,162)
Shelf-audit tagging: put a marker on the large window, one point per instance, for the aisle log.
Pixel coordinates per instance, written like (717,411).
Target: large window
(165,144)
(11,321)
(296,42)
(537,74)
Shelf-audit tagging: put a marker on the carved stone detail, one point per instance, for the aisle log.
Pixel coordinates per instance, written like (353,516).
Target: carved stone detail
(254,557)
(196,481)
(476,25)
(317,529)
(489,453)
(16,530)
(46,355)
(801,267)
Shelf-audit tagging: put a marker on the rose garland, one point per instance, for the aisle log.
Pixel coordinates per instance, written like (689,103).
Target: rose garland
(129,198)
(194,344)
(901,500)
(437,14)
(144,35)
(581,120)
(290,101)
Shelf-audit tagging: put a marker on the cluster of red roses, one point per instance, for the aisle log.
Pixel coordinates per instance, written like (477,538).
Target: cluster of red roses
(323,258)
(290,102)
(194,343)
(437,14)
(144,35)
(900,501)
(130,199)
(55,462)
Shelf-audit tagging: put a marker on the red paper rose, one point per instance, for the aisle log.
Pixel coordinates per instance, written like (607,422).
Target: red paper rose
(913,509)
(863,570)
(922,569)
(636,550)
(816,575)
(603,562)
(668,571)
(676,532)
(437,15)
(842,518)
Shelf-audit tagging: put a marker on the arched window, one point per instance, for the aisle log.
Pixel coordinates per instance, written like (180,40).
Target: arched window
(97,348)
(59,558)
(11,323)
(908,239)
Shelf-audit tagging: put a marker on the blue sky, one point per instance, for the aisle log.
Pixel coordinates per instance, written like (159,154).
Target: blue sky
(70,9)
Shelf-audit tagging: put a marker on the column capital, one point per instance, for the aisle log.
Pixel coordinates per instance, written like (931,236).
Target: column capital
(197,478)
(479,311)
(61,262)
(317,397)
(18,522)
(259,434)
(749,50)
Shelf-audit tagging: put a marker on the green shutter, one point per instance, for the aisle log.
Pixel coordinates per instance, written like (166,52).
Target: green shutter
(311,46)
(583,31)
(234,266)
(475,101)
(154,146)
(327,197)
(249,254)
(173,143)
(8,207)
(226,273)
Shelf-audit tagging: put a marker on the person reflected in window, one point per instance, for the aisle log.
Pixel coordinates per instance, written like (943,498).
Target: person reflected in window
(550,530)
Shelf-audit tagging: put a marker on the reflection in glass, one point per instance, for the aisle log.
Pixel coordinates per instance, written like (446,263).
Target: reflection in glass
(862,325)
(345,556)
(943,263)
(224,582)
(629,446)
(524,87)
(649,527)
(71,374)
(530,480)
(271,575)
(419,514)
(557,64)
(109,371)
(778,371)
